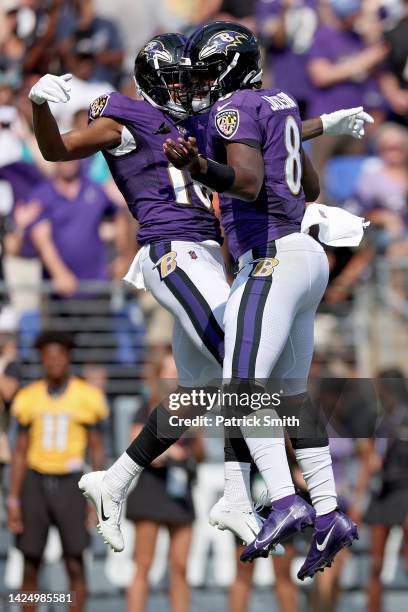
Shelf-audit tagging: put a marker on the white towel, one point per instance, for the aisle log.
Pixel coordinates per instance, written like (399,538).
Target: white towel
(134,276)
(337,227)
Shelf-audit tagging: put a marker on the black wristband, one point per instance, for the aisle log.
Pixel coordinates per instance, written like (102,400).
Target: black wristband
(218,177)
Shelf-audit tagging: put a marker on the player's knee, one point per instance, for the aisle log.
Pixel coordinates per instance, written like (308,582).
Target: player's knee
(240,396)
(75,568)
(31,569)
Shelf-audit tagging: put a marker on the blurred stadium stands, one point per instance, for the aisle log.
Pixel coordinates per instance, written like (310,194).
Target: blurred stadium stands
(361,326)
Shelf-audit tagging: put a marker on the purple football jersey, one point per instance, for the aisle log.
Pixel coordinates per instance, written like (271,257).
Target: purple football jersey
(165,201)
(268,120)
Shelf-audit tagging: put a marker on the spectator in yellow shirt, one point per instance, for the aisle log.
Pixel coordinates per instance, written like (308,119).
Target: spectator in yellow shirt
(58,421)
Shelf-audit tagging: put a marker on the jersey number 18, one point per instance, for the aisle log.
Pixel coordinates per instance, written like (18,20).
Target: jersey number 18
(181,183)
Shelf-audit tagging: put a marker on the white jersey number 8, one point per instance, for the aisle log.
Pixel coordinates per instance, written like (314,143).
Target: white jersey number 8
(293,163)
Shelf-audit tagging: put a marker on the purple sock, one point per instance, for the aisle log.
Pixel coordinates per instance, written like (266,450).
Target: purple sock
(322,522)
(283,503)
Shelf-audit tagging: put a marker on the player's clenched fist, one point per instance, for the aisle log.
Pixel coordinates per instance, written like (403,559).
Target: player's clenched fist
(183,154)
(51,88)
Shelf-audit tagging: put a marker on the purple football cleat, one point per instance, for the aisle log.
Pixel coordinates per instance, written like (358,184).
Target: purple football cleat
(326,543)
(280,525)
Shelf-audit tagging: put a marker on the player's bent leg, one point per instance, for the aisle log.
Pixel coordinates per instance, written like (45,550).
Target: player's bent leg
(243,337)
(179,280)
(107,489)
(333,530)
(250,352)
(157,435)
(288,287)
(235,511)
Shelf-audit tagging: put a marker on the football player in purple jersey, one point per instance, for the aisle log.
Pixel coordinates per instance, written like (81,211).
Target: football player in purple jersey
(179,260)
(255,157)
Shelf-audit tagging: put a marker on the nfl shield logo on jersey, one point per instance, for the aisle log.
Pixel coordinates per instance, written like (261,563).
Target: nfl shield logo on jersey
(227,122)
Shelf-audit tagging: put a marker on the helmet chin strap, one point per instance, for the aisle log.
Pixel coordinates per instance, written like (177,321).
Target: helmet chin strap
(173,111)
(251,77)
(228,69)
(137,87)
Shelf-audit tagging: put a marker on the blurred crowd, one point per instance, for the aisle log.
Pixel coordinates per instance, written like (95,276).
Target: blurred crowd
(330,54)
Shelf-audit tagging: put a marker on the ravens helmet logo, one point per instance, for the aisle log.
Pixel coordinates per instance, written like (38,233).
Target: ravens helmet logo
(222,42)
(156,49)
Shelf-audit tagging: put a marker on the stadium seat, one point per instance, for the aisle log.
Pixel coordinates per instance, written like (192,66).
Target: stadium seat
(341,176)
(29,327)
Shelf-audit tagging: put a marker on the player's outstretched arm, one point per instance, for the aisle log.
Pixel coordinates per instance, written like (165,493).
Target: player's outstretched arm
(76,144)
(348,122)
(242,177)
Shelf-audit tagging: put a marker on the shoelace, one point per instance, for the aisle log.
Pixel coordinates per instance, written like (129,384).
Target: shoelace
(263,499)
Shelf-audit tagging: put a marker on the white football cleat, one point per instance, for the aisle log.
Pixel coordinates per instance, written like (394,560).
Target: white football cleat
(107,509)
(243,523)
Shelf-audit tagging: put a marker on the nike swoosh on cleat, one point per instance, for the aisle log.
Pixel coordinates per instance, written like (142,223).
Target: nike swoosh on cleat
(275,533)
(322,546)
(104,517)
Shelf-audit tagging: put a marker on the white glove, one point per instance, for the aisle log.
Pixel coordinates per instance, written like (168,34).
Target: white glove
(349,121)
(51,88)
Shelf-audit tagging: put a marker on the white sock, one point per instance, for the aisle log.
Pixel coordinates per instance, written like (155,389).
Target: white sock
(237,486)
(316,466)
(269,455)
(120,475)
